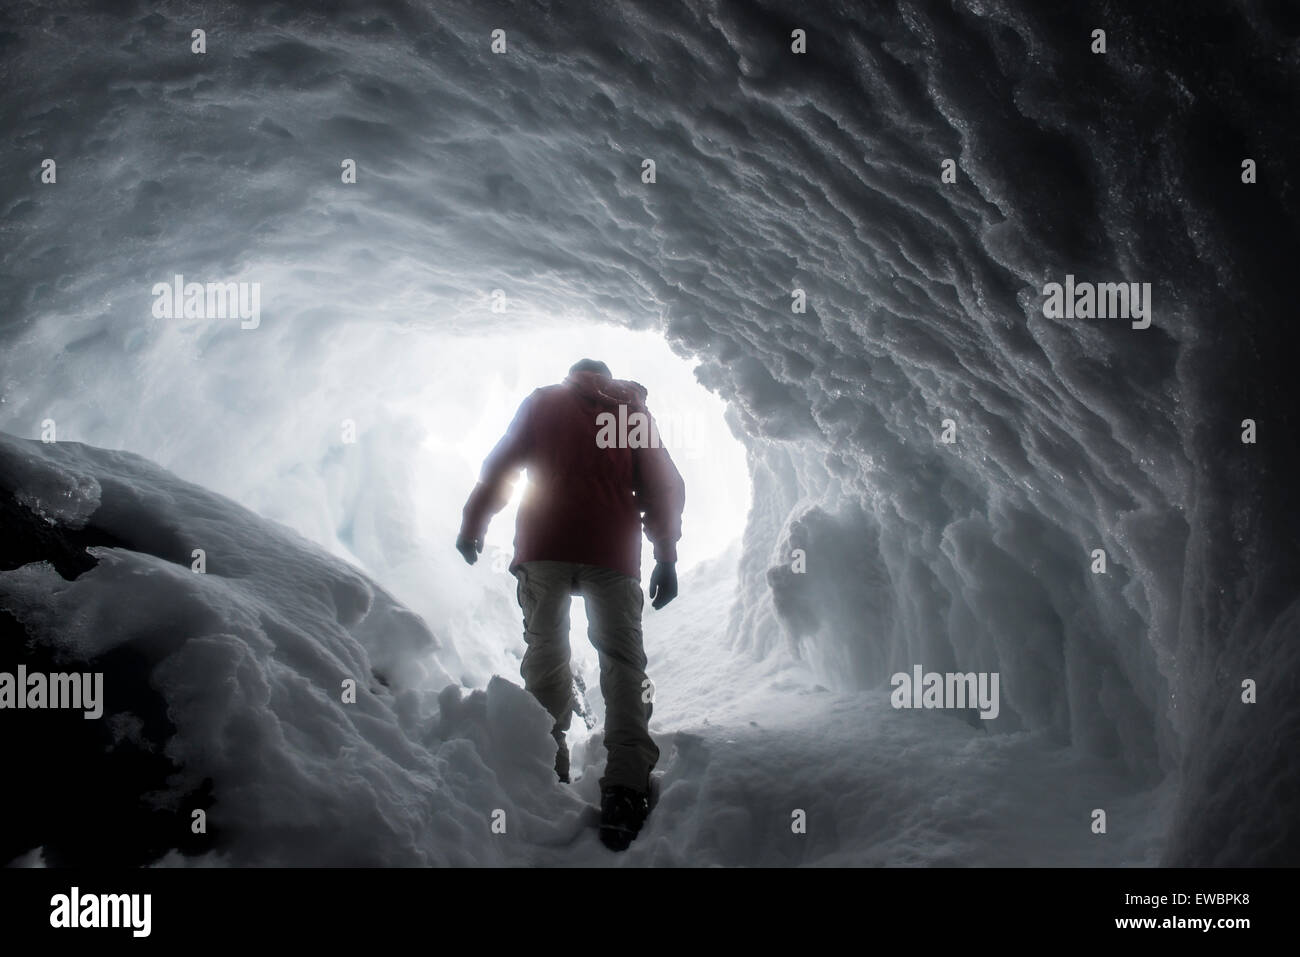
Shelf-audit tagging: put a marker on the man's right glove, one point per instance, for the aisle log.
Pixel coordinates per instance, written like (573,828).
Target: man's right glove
(663,584)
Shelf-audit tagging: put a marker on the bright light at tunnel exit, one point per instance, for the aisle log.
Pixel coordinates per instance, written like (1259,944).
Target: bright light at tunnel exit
(690,420)
(472,391)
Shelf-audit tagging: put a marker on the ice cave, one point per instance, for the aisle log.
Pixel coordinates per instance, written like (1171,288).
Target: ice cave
(829,268)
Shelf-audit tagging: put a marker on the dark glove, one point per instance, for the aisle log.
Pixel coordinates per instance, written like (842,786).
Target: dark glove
(469,548)
(663,584)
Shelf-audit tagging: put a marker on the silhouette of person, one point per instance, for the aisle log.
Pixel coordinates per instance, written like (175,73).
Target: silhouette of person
(597,476)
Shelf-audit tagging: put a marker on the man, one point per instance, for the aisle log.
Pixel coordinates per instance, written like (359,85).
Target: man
(597,475)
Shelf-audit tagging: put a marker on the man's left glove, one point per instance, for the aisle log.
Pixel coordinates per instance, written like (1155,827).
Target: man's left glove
(469,548)
(663,584)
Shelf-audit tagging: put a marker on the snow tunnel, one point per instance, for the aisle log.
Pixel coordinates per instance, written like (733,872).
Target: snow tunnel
(266,305)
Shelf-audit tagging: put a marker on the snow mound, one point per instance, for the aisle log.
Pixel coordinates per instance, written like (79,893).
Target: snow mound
(250,658)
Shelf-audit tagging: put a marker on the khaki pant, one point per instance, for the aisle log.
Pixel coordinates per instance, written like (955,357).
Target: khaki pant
(614,602)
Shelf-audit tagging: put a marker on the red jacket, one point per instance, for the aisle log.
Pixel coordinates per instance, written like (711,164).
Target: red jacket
(584,503)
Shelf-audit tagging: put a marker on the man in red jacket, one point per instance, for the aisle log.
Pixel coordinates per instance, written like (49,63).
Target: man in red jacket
(597,475)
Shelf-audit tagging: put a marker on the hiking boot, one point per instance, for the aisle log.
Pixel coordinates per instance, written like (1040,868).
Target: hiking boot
(622,812)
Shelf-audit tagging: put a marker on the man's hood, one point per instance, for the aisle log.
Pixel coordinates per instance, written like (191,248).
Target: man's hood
(606,391)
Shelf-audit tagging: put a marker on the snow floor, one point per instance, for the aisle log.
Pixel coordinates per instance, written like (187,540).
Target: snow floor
(746,743)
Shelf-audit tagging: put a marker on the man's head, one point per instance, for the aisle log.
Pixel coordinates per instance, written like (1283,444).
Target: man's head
(591,365)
